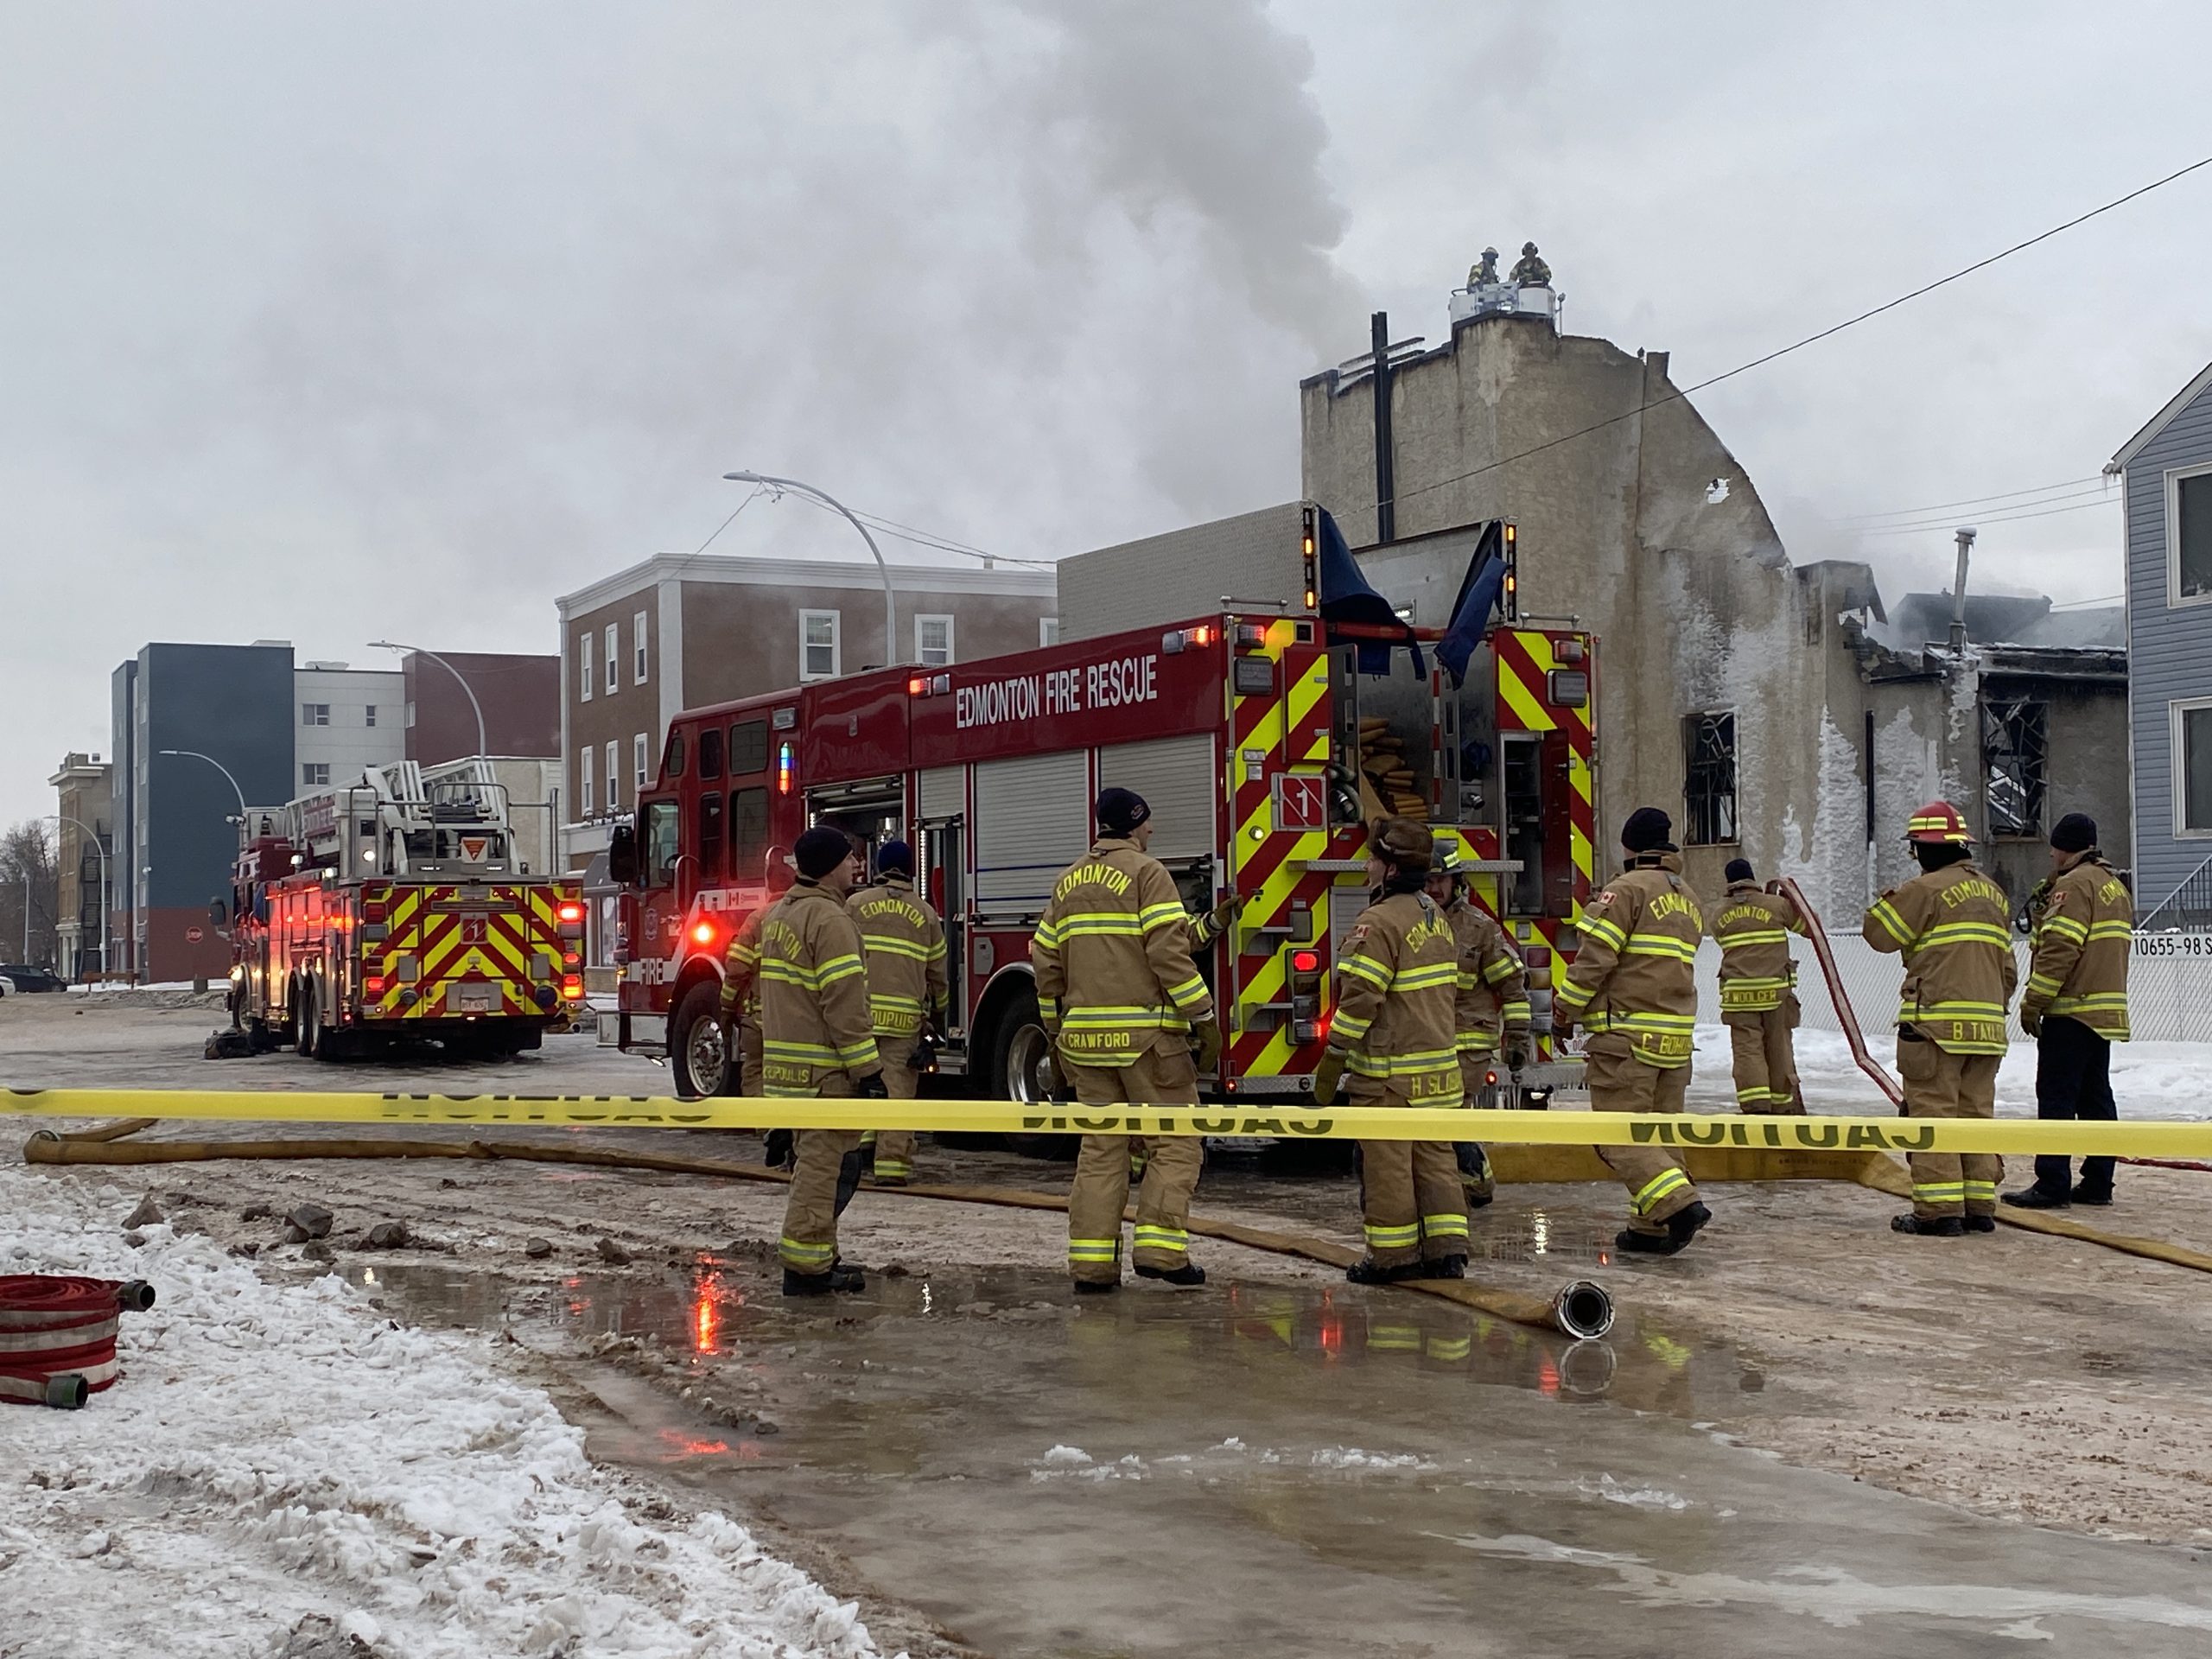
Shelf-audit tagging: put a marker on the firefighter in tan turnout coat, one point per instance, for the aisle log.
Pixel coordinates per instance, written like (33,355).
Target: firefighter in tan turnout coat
(1952,924)
(1395,1032)
(904,943)
(817,1042)
(2075,1004)
(1131,1022)
(1633,989)
(1758,997)
(1492,1009)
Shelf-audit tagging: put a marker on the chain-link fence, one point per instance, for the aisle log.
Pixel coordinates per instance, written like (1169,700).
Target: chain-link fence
(2169,985)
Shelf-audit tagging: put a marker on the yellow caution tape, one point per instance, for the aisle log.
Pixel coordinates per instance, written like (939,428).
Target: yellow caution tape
(1300,1122)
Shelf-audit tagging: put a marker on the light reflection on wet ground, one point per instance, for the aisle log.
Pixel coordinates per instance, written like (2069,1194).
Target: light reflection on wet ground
(1295,1469)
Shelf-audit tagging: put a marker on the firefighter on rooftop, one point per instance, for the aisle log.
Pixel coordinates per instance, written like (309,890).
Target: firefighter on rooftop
(1131,1022)
(1952,924)
(1758,997)
(1492,1005)
(1633,989)
(1394,1030)
(817,1043)
(904,941)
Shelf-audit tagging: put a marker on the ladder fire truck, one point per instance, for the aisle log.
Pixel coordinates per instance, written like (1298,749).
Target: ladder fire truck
(394,908)
(1264,739)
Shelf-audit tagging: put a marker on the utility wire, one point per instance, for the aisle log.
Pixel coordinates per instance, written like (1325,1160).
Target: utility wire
(1996,515)
(728,522)
(1945,525)
(1979,500)
(1814,338)
(921,538)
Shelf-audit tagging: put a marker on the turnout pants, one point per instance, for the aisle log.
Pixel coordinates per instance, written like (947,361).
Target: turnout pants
(1938,1084)
(894,1149)
(748,1053)
(1411,1201)
(2074,1080)
(1766,1063)
(1658,1185)
(1474,1178)
(810,1240)
(1162,1077)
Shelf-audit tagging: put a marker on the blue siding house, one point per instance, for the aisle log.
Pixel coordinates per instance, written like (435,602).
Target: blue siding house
(2166,487)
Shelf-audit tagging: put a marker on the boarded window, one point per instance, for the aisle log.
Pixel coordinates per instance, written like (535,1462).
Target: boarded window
(1709,778)
(2013,753)
(748,748)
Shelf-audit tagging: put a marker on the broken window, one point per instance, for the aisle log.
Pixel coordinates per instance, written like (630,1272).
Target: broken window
(2013,751)
(1709,778)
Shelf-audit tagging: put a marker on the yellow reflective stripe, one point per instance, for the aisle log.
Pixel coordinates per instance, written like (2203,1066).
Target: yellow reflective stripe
(859,1054)
(1758,936)
(2043,982)
(800,1251)
(1892,924)
(1980,1189)
(1444,1226)
(1161,1238)
(1155,916)
(813,1053)
(1349,1026)
(1515,1010)
(1435,976)
(839,967)
(2067,928)
(1611,1021)
(1095,1249)
(1964,933)
(1503,967)
(1606,932)
(1659,945)
(1658,1187)
(1955,1011)
(1120,923)
(1189,993)
(2113,931)
(1366,968)
(911,948)
(1392,1238)
(1939,1192)
(1477,1042)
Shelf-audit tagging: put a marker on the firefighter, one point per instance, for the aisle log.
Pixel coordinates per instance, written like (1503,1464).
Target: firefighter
(904,941)
(1131,1021)
(1633,989)
(1758,997)
(1951,924)
(741,997)
(1492,1005)
(2075,1004)
(817,1043)
(1394,1030)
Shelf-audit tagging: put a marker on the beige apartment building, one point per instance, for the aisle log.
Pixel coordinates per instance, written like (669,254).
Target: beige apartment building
(679,632)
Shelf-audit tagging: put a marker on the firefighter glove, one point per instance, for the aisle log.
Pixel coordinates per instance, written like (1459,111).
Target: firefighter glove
(2031,1021)
(871,1087)
(779,1149)
(1516,1056)
(1326,1076)
(1206,1047)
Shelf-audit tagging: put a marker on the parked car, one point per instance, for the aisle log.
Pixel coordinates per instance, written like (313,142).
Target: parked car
(21,978)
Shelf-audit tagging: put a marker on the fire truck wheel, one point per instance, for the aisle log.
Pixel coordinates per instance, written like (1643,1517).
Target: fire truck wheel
(307,1021)
(696,1049)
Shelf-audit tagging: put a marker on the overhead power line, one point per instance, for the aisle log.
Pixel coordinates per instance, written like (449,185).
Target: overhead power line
(1814,338)
(1945,526)
(1977,501)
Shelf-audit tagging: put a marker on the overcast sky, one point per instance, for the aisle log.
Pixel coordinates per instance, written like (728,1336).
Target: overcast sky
(327,323)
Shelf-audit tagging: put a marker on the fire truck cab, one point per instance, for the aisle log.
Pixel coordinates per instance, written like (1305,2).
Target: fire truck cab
(1264,740)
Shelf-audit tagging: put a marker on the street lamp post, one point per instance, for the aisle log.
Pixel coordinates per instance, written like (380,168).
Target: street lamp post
(106,900)
(892,653)
(483,744)
(194,754)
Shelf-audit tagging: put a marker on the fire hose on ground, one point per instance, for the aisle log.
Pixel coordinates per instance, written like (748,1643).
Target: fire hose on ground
(57,1335)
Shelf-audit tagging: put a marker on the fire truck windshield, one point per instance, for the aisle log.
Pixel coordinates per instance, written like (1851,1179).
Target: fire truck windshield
(659,829)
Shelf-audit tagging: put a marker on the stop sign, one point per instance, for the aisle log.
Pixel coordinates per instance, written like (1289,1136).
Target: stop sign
(193,935)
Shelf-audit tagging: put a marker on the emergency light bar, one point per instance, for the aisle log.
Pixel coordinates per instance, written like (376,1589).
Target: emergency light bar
(928,685)
(1178,639)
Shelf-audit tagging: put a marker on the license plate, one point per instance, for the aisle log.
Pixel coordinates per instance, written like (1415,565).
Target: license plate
(476,998)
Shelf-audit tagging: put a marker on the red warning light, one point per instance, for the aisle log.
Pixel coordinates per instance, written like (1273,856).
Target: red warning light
(703,932)
(572,912)
(1305,962)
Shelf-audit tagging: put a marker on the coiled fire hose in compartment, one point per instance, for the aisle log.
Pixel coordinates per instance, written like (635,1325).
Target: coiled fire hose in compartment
(57,1335)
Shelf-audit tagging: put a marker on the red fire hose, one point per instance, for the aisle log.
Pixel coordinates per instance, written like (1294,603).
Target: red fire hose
(57,1335)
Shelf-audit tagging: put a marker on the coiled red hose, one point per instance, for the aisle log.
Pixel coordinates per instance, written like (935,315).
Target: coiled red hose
(57,1335)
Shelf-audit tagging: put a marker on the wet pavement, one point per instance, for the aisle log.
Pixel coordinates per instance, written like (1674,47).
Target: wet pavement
(1292,1470)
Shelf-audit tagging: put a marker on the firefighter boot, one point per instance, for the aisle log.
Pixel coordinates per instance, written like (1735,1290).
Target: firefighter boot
(839,1278)
(1445,1267)
(1189,1274)
(1981,1223)
(1681,1227)
(1931,1226)
(1369,1271)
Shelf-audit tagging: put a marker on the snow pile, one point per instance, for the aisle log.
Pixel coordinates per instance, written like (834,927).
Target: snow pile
(281,1458)
(1350,1457)
(1063,1461)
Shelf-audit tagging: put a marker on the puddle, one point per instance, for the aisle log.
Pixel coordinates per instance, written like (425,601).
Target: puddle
(1305,1469)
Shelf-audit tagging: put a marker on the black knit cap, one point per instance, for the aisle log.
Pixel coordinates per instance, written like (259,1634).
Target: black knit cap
(1648,830)
(1119,810)
(2075,833)
(1739,869)
(821,850)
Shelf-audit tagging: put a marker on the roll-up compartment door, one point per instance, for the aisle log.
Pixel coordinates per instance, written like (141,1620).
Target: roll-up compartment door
(1033,820)
(940,793)
(1175,775)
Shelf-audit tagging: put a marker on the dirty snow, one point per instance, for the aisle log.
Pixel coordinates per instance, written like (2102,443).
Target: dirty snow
(281,1464)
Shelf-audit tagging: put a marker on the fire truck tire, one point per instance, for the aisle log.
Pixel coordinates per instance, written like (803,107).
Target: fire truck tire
(696,1052)
(307,1021)
(1017,1054)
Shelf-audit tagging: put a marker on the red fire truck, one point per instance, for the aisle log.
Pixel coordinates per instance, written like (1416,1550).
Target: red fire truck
(1262,745)
(396,908)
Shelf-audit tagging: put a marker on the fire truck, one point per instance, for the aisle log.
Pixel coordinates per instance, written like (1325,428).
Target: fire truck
(394,908)
(1264,740)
